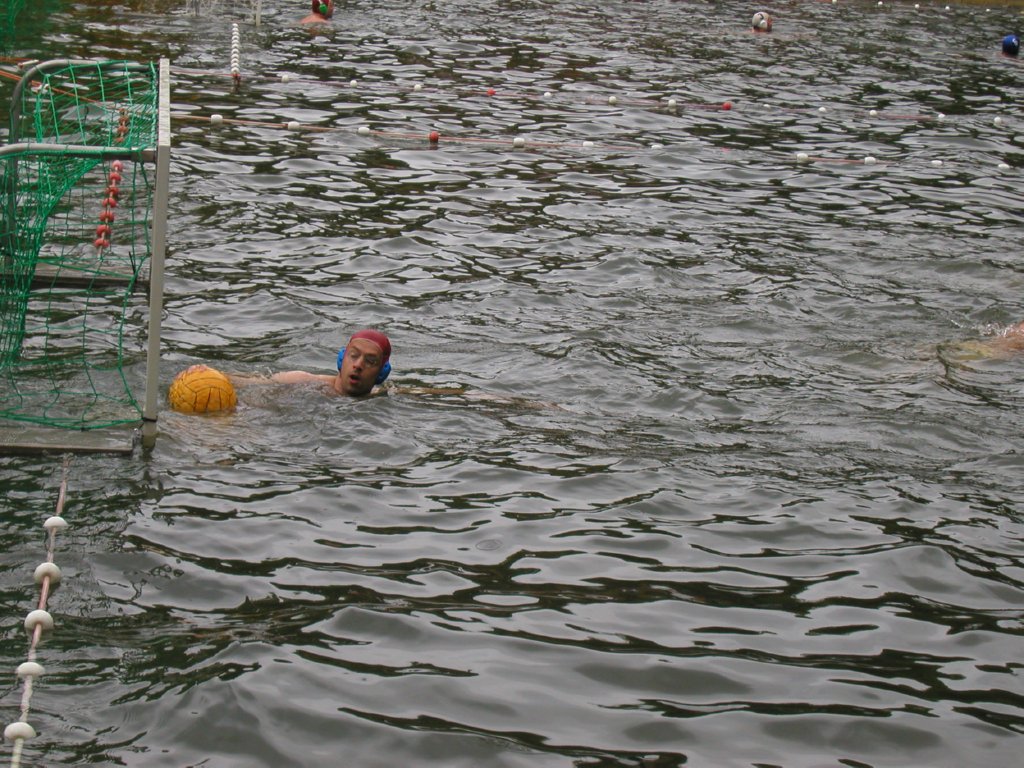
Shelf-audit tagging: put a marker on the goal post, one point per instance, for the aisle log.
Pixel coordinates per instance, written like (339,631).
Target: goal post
(159,244)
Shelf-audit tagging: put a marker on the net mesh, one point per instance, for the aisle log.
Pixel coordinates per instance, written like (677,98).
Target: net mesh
(8,13)
(75,240)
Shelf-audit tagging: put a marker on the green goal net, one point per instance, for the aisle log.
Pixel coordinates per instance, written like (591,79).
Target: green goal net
(77,188)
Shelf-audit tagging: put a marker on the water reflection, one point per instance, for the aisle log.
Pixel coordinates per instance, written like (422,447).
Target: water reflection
(772,516)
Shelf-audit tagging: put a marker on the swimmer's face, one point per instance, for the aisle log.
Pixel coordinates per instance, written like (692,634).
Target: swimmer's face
(359,368)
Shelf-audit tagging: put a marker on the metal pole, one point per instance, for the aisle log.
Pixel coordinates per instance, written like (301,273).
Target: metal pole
(156,269)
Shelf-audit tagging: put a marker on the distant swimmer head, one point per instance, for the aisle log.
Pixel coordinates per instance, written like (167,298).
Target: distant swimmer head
(1011,45)
(762,22)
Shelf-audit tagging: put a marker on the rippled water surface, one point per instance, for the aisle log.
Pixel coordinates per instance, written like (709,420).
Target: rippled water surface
(731,471)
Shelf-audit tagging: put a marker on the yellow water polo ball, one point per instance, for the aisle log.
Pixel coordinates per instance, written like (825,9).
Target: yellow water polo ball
(201,389)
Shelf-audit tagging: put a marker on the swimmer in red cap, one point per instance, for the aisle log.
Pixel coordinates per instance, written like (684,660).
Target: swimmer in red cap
(322,11)
(363,364)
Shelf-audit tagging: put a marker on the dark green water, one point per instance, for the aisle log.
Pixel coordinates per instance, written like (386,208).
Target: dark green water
(723,487)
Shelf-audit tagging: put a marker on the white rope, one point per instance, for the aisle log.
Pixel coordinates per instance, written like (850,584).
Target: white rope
(47,576)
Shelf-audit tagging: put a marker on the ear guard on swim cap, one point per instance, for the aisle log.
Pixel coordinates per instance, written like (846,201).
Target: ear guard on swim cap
(381,377)
(323,9)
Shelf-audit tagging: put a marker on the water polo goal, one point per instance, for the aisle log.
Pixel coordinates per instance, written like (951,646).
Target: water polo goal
(83,212)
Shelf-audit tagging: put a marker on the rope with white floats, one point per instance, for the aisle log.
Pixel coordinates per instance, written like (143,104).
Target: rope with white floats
(236,56)
(47,576)
(761,23)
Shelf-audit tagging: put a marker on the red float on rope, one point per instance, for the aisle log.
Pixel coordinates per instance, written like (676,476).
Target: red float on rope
(106,216)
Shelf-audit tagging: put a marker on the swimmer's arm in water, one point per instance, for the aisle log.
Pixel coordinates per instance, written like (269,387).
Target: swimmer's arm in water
(284,377)
(241,380)
(471,394)
(301,377)
(406,390)
(326,382)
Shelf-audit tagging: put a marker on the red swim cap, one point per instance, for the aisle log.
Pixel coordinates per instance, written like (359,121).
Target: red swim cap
(377,338)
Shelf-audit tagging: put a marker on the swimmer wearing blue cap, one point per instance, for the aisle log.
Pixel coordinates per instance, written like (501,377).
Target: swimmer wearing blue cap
(362,365)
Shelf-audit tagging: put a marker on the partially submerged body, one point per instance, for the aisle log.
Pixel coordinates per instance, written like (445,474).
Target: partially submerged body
(1005,343)
(362,366)
(320,12)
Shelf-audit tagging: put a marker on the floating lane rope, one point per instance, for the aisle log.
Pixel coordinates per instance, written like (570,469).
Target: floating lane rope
(434,138)
(236,57)
(670,104)
(761,22)
(47,576)
(391,88)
